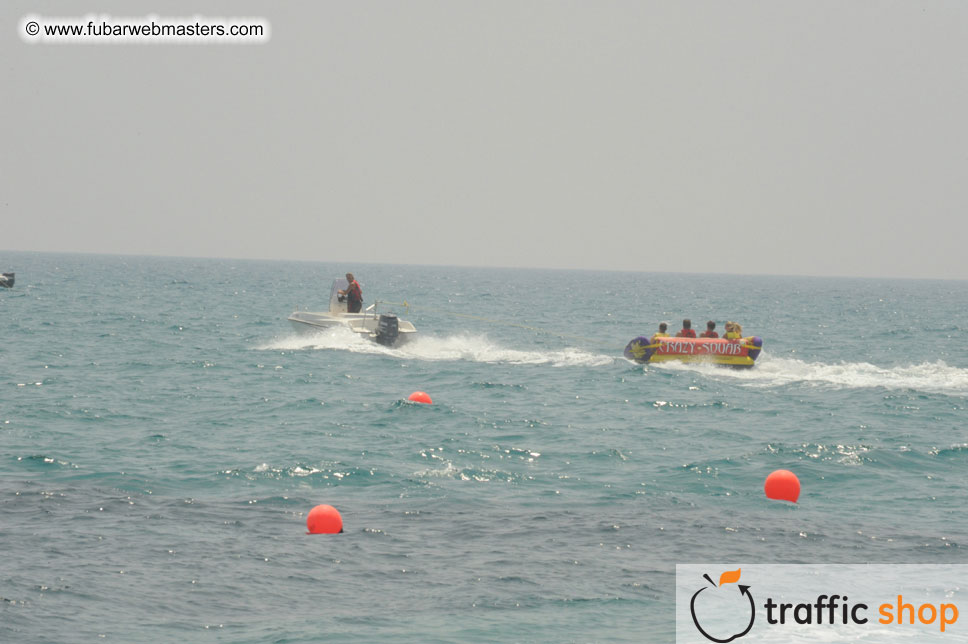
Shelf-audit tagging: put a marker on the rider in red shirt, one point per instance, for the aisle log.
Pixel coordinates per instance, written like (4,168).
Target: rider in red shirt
(709,332)
(686,331)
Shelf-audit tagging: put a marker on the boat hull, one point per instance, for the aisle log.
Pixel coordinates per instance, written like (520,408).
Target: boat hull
(367,325)
(740,353)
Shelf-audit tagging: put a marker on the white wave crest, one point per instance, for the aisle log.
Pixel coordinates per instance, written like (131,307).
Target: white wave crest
(449,470)
(928,377)
(430,348)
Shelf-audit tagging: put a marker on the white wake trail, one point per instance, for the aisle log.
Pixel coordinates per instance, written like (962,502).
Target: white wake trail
(929,377)
(450,348)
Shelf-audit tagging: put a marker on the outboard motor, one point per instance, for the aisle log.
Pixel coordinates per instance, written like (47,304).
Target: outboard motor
(387,330)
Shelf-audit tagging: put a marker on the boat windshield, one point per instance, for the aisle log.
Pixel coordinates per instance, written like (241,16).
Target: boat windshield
(335,306)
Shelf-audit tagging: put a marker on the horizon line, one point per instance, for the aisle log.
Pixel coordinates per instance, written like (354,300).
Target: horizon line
(477,266)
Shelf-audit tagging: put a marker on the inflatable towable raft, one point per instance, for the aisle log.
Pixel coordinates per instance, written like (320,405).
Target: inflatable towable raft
(734,353)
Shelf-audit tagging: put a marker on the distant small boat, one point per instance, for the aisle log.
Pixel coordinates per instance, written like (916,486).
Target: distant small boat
(382,328)
(6,280)
(734,353)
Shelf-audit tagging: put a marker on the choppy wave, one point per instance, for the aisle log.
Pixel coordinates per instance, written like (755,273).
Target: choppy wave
(928,377)
(450,348)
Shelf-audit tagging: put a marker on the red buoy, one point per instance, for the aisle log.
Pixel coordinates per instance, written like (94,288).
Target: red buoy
(420,397)
(782,485)
(324,519)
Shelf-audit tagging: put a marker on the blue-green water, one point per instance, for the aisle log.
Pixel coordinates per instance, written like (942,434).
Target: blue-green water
(163,433)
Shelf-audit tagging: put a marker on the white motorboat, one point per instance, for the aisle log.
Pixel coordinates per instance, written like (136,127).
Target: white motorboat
(385,328)
(6,280)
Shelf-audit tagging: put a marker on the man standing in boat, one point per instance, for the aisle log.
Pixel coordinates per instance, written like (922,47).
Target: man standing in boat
(353,295)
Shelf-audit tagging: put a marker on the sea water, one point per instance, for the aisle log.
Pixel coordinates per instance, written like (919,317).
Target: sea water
(163,433)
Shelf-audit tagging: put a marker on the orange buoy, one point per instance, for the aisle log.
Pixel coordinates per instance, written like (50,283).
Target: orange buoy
(420,397)
(782,485)
(324,519)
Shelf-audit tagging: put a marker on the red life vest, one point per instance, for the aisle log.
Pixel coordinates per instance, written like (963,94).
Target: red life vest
(686,333)
(353,292)
(709,334)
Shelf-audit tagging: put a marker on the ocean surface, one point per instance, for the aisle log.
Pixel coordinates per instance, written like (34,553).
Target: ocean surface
(164,432)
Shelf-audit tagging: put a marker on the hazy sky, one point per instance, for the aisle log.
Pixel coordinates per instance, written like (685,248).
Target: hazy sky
(817,138)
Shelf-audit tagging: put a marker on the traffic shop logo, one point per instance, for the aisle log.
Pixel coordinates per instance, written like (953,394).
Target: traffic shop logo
(729,595)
